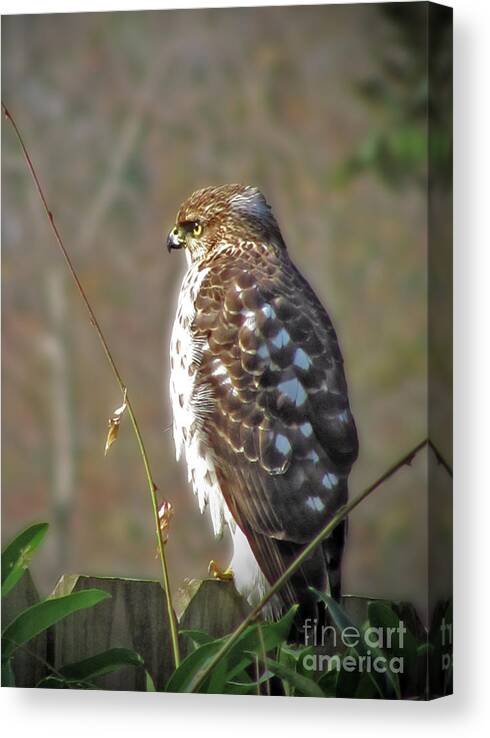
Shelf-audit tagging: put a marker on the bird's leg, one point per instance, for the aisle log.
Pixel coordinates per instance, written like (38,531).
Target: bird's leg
(215,571)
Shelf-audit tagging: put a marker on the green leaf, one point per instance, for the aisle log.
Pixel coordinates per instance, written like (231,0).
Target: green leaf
(328,683)
(8,676)
(249,645)
(195,661)
(52,682)
(18,553)
(384,687)
(365,689)
(100,664)
(348,682)
(248,685)
(218,677)
(296,654)
(300,663)
(198,637)
(190,669)
(402,646)
(55,682)
(41,616)
(150,684)
(304,686)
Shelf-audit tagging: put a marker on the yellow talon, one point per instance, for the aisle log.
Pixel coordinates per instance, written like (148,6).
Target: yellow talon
(215,571)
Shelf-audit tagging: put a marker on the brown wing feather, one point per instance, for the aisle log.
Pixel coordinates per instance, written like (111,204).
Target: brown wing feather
(281,430)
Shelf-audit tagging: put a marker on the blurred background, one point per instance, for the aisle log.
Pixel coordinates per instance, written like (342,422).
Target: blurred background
(125,114)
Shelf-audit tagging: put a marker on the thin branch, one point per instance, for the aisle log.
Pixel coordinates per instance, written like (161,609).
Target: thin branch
(440,459)
(144,456)
(202,674)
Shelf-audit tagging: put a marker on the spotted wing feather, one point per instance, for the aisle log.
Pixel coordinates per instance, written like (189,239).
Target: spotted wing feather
(281,430)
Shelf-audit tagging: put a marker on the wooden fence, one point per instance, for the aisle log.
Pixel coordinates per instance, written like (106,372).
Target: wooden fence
(135,617)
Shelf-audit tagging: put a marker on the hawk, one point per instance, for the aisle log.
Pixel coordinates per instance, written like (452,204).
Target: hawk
(259,397)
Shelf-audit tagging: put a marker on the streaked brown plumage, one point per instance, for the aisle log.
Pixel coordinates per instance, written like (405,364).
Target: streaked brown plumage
(264,417)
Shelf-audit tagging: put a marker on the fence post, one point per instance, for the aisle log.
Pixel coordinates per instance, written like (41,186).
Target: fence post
(29,662)
(214,607)
(134,617)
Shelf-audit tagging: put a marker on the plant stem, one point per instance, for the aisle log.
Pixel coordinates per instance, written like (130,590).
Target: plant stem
(151,484)
(202,674)
(263,657)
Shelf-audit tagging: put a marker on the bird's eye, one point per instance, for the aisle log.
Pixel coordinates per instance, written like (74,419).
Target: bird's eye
(196,230)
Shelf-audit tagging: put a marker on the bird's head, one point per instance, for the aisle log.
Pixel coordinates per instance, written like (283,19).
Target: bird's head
(219,216)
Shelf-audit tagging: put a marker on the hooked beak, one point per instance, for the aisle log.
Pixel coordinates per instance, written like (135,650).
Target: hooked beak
(175,239)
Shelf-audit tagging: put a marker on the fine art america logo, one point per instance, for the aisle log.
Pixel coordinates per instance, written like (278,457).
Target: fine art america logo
(369,648)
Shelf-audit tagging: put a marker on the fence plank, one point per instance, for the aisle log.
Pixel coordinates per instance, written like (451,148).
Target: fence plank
(28,662)
(215,607)
(134,617)
(357,609)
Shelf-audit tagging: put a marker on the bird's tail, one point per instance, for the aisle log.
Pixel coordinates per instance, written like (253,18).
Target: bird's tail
(321,571)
